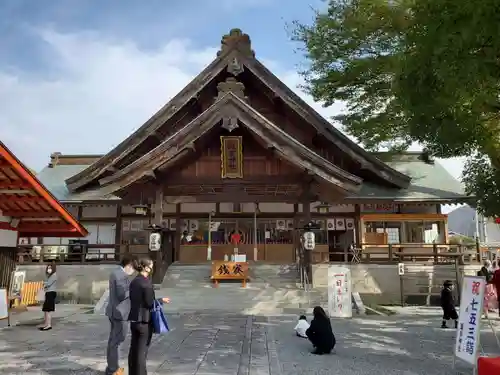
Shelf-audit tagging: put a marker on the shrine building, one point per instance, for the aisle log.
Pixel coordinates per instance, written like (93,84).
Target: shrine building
(235,162)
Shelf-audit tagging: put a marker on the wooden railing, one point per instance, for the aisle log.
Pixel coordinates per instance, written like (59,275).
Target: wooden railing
(71,254)
(398,253)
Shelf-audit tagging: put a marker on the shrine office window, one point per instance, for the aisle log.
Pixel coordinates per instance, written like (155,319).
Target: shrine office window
(391,229)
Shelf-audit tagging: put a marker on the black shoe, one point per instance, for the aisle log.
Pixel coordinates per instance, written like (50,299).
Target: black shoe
(45,328)
(444,326)
(317,352)
(456,324)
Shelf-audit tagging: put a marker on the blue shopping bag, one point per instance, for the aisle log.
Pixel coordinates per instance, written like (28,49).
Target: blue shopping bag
(160,324)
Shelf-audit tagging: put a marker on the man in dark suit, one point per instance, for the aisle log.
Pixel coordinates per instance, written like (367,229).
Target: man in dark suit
(117,311)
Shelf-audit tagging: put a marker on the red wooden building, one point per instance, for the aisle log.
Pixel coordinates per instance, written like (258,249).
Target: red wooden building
(27,209)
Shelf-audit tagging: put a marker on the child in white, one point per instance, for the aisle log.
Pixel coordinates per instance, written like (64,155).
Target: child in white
(301,327)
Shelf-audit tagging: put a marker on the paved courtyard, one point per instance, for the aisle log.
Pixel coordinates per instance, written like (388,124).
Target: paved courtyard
(215,343)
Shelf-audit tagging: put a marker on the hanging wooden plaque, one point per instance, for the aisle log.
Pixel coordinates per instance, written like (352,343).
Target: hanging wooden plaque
(232,157)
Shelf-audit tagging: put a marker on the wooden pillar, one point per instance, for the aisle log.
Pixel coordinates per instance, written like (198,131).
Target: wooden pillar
(296,233)
(306,212)
(178,228)
(157,219)
(357,225)
(118,232)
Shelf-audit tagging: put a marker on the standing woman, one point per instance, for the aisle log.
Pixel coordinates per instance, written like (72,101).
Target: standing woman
(486,271)
(142,297)
(50,288)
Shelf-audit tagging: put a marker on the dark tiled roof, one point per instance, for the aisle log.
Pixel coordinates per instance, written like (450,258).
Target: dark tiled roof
(430,182)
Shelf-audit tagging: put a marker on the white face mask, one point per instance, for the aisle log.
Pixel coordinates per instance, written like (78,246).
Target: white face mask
(49,271)
(129,270)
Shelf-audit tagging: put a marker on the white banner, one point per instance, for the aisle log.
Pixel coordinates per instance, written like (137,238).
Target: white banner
(469,319)
(339,292)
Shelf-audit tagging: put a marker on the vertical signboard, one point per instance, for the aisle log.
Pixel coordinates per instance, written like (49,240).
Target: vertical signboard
(339,292)
(469,319)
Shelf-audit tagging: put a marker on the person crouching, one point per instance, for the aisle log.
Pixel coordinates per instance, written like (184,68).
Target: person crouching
(301,327)
(320,332)
(448,304)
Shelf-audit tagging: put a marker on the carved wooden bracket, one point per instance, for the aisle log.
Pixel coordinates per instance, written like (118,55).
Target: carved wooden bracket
(230,123)
(236,38)
(235,66)
(229,119)
(231,85)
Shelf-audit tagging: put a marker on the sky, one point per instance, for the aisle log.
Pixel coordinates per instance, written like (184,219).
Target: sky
(80,76)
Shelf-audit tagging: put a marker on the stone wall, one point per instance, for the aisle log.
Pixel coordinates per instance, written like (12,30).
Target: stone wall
(380,283)
(377,283)
(75,283)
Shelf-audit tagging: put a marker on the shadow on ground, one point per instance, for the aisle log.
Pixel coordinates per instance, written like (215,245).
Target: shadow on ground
(217,343)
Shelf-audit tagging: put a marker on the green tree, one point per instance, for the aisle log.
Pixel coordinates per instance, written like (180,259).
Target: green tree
(410,71)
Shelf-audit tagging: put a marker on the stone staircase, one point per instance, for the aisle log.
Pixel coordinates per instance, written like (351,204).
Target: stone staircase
(271,289)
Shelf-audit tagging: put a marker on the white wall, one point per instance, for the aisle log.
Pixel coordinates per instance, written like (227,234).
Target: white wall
(8,238)
(98,211)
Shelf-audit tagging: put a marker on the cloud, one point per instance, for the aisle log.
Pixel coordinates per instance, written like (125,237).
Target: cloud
(96,91)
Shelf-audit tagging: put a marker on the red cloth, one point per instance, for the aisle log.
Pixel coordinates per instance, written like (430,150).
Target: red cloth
(488,366)
(236,238)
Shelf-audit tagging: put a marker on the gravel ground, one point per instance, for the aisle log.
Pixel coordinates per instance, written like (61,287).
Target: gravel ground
(215,343)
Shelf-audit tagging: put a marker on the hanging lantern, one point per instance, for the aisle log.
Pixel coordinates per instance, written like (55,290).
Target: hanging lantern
(141,209)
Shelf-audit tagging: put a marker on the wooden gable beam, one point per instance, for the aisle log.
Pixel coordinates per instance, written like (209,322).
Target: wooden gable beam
(356,152)
(150,127)
(177,145)
(250,116)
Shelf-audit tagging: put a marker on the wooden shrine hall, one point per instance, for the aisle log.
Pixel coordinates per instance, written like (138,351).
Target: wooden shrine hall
(237,154)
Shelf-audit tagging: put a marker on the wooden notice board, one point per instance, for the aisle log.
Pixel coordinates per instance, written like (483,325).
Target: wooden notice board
(222,270)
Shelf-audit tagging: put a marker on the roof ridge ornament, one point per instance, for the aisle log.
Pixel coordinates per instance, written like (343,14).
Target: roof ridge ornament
(231,84)
(236,39)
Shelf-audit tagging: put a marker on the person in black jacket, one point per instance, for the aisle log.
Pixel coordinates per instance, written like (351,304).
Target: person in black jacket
(320,332)
(142,297)
(448,304)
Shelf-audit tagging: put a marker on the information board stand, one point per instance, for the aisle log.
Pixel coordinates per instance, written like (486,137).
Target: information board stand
(468,335)
(4,306)
(339,292)
(467,342)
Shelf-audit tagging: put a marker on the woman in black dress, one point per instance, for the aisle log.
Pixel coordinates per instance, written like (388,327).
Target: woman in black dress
(142,297)
(320,332)
(49,304)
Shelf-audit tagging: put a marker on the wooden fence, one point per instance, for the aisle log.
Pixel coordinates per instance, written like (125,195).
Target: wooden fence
(400,253)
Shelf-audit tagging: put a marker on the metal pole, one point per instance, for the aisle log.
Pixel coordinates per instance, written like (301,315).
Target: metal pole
(476,218)
(209,248)
(255,251)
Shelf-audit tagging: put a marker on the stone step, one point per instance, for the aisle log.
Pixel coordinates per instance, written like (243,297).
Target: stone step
(260,274)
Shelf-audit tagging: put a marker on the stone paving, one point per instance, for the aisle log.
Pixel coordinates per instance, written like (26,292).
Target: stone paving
(218,343)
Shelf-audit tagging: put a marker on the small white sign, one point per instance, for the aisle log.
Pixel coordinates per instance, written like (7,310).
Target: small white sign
(4,307)
(401,269)
(309,241)
(155,241)
(469,319)
(240,258)
(339,292)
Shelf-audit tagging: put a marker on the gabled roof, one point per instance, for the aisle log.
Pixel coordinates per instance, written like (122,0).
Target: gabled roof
(274,138)
(431,182)
(235,56)
(25,199)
